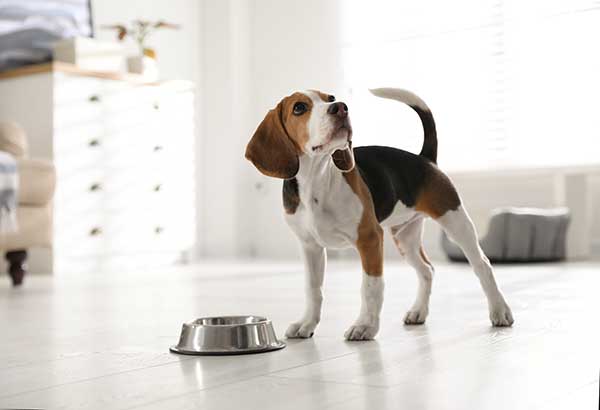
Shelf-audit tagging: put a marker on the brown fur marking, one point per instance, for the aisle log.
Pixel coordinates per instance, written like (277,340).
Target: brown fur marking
(344,159)
(291,196)
(296,126)
(370,235)
(279,139)
(437,195)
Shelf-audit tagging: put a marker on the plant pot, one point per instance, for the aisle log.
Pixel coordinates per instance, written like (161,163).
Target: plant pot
(143,65)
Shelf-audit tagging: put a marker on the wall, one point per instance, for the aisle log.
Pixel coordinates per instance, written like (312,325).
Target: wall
(254,53)
(595,228)
(296,46)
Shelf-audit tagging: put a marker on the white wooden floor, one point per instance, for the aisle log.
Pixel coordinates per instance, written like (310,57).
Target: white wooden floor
(101,342)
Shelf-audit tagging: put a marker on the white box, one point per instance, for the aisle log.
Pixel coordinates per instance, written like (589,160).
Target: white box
(90,54)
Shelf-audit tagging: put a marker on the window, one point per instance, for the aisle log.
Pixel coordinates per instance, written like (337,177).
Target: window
(511,83)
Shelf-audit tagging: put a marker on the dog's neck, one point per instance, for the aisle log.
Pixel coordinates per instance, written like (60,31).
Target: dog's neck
(316,169)
(318,174)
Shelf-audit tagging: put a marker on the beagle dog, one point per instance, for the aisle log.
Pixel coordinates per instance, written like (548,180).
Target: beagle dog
(335,196)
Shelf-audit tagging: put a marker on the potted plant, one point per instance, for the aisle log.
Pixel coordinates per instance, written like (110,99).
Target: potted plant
(139,31)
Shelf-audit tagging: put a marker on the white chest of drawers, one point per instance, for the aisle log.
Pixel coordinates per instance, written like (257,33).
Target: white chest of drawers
(124,157)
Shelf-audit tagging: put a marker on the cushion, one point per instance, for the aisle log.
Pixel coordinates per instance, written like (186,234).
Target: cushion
(36,182)
(521,235)
(35,229)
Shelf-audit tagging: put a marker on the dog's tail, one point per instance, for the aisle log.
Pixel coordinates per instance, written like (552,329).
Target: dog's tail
(429,149)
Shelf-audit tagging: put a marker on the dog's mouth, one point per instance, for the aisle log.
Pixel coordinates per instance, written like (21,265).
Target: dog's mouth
(341,133)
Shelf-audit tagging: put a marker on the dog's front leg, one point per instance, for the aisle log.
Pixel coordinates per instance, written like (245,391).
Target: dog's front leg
(314,263)
(366,326)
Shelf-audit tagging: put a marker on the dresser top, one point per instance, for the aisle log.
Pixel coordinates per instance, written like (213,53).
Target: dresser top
(67,68)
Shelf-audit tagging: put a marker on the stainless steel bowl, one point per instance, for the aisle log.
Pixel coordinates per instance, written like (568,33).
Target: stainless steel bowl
(227,335)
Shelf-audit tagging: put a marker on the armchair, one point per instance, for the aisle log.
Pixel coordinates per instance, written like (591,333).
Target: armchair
(34,210)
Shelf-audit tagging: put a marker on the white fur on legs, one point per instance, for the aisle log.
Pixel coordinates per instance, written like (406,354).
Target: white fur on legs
(409,240)
(315,260)
(367,324)
(459,228)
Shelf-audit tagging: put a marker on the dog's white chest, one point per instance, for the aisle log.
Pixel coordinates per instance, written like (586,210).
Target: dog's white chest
(329,213)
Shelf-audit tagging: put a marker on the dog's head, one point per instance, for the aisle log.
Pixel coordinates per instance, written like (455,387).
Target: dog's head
(305,123)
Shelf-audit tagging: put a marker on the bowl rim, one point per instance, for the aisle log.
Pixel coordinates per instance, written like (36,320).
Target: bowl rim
(260,320)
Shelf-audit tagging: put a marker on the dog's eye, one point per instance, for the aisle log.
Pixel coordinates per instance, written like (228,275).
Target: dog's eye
(300,108)
(331,98)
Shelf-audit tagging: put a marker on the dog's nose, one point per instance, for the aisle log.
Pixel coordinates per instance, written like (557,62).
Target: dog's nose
(338,108)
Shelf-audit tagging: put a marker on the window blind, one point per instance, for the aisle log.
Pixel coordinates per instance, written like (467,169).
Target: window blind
(511,83)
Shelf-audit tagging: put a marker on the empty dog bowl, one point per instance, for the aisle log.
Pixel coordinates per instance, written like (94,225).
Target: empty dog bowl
(227,335)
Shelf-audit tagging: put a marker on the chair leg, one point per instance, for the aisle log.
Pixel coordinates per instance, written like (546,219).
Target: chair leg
(17,266)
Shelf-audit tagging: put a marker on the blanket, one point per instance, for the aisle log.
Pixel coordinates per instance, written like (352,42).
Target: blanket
(9,182)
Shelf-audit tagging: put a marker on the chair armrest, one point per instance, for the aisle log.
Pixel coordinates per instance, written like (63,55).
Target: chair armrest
(13,139)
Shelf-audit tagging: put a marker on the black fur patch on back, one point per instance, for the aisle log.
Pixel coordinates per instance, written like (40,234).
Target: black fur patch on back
(291,195)
(391,175)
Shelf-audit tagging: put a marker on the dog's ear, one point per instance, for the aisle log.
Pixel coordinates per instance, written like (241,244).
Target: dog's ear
(344,158)
(271,150)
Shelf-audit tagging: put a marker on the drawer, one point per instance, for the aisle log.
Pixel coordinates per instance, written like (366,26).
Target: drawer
(151,151)
(76,162)
(131,142)
(95,189)
(73,90)
(135,96)
(77,100)
(132,230)
(131,120)
(177,105)
(124,233)
(77,138)
(147,231)
(149,165)
(81,235)
(76,114)
(72,201)
(161,198)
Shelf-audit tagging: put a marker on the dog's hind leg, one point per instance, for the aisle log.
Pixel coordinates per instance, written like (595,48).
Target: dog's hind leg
(408,240)
(459,228)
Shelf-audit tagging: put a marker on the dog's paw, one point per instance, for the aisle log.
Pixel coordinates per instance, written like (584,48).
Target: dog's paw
(501,315)
(361,332)
(301,330)
(415,316)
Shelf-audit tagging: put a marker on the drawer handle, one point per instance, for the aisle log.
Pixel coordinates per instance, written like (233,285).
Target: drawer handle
(157,187)
(94,143)
(156,106)
(96,187)
(95,231)
(94,98)
(158,148)
(158,230)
